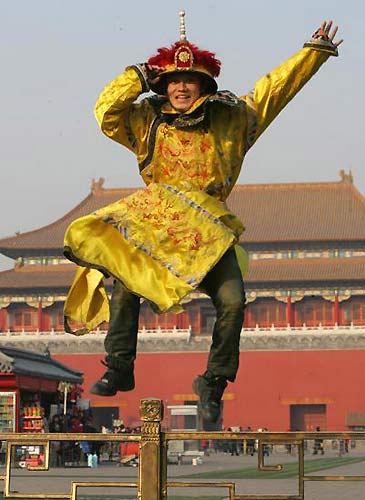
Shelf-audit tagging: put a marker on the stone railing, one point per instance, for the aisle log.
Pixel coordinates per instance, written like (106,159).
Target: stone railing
(304,338)
(185,333)
(143,333)
(299,330)
(61,342)
(160,339)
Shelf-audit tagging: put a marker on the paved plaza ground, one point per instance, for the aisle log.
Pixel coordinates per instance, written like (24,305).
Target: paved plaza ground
(58,480)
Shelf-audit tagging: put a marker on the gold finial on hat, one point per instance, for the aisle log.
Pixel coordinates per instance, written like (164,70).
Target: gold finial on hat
(182,26)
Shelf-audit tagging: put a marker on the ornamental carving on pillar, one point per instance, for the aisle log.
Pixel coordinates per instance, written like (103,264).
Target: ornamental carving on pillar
(150,431)
(47,302)
(282,296)
(151,410)
(346,295)
(5,302)
(296,296)
(32,301)
(329,295)
(151,414)
(251,297)
(42,301)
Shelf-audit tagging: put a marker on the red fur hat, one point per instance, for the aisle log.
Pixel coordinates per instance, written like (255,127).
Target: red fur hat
(184,56)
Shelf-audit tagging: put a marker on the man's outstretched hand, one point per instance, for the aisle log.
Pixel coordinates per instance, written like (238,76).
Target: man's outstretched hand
(153,74)
(325,33)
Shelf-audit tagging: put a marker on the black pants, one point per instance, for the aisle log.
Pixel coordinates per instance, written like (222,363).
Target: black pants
(225,287)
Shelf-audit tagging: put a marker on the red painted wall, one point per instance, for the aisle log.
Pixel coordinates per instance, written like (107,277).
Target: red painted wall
(267,383)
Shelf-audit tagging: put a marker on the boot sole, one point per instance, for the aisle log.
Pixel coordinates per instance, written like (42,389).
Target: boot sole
(100,391)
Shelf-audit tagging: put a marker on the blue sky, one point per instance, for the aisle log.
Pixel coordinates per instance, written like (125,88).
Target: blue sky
(56,56)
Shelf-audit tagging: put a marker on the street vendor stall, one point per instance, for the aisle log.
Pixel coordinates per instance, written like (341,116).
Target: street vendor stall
(30,391)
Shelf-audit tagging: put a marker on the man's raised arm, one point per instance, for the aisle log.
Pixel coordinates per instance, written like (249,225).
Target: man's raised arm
(116,111)
(276,89)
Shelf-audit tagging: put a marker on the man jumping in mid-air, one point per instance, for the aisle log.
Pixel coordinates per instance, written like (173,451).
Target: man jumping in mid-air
(177,234)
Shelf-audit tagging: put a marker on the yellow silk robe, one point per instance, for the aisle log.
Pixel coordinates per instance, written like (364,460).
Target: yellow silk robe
(162,240)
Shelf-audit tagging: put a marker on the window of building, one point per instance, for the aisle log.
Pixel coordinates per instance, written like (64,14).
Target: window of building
(59,320)
(314,312)
(23,320)
(148,319)
(265,313)
(208,317)
(353,311)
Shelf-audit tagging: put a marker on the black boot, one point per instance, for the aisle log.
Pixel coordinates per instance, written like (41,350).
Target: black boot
(114,379)
(210,390)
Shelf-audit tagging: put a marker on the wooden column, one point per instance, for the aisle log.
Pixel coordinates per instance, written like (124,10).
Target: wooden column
(336,310)
(289,311)
(40,316)
(3,317)
(157,320)
(185,320)
(182,320)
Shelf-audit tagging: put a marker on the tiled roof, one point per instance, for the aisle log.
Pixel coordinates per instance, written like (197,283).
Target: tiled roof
(260,271)
(332,211)
(51,237)
(307,270)
(300,212)
(37,365)
(37,277)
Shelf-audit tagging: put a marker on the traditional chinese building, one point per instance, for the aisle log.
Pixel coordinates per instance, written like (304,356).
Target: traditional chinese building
(305,295)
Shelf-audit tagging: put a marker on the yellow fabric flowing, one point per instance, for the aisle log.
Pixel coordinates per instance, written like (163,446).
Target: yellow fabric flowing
(87,302)
(159,242)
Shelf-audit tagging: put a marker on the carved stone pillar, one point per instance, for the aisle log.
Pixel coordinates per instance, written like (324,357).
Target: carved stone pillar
(149,481)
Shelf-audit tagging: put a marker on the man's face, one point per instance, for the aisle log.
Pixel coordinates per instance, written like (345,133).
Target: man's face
(183,89)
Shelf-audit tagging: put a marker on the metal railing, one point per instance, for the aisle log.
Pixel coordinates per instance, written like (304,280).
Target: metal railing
(152,482)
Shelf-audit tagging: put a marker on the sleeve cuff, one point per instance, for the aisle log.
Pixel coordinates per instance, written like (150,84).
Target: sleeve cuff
(142,75)
(322,45)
